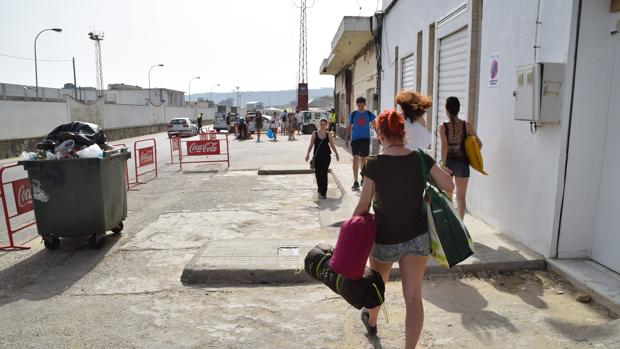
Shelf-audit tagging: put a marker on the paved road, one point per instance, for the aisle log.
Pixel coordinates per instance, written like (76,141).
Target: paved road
(129,294)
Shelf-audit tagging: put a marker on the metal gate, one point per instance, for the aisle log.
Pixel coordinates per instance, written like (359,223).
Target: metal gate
(452,76)
(408,70)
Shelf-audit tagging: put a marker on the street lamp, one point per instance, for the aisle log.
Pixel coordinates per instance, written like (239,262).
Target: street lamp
(189,91)
(36,73)
(212,86)
(151,68)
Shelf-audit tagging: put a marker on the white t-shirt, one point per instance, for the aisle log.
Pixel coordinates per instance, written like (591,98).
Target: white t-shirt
(416,135)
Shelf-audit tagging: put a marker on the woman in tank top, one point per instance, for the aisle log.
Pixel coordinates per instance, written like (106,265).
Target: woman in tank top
(322,141)
(453,157)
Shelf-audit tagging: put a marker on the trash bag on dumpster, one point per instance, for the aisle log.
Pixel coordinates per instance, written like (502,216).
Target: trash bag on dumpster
(84,134)
(366,292)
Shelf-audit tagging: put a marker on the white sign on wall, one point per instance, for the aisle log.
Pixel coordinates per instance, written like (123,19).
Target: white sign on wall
(494,70)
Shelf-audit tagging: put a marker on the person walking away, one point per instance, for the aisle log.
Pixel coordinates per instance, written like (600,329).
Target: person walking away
(292,121)
(394,179)
(199,122)
(358,137)
(453,157)
(332,121)
(414,107)
(258,124)
(322,141)
(283,122)
(273,125)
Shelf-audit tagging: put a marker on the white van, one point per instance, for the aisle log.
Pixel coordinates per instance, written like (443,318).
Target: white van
(310,120)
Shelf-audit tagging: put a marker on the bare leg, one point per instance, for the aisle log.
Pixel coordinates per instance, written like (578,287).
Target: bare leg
(383,269)
(412,270)
(356,166)
(461,193)
(363,158)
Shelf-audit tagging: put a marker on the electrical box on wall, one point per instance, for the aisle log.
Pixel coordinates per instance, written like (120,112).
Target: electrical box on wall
(538,94)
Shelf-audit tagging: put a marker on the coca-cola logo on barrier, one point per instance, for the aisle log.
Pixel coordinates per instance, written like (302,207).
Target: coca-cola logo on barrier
(195,148)
(146,156)
(23,195)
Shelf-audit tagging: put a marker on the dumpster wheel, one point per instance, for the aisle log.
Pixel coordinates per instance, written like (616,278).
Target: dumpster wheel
(96,241)
(118,228)
(51,242)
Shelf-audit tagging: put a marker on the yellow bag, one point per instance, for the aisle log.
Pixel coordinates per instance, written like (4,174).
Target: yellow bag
(473,153)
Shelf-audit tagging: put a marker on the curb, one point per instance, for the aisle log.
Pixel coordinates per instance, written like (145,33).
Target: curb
(291,171)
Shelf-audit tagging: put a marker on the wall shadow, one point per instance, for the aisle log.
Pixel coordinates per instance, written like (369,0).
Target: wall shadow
(46,273)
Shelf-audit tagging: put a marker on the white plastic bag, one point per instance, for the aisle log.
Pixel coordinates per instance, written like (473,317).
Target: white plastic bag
(94,151)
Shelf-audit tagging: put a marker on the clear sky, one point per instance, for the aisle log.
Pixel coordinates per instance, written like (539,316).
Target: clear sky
(248,43)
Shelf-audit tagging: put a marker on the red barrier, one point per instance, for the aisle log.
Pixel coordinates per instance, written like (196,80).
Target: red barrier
(121,145)
(145,156)
(209,145)
(22,195)
(175,145)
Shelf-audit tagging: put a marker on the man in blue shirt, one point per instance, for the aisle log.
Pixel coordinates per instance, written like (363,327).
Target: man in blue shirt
(358,132)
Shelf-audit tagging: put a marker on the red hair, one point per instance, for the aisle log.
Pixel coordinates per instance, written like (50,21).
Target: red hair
(391,125)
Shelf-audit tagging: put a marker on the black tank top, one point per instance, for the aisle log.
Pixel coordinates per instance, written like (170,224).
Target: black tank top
(321,145)
(456,134)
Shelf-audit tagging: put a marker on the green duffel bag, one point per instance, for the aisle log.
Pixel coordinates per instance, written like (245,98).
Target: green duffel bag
(450,241)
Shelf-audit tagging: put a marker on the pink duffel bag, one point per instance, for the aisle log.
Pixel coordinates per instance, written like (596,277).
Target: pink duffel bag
(355,240)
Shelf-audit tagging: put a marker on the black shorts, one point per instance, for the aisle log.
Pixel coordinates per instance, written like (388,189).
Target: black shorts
(361,147)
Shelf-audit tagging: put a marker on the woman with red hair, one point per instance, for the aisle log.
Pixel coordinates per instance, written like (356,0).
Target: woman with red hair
(394,179)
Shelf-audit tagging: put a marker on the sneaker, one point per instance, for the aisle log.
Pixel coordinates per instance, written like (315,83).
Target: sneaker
(356,186)
(372,330)
(362,182)
(323,196)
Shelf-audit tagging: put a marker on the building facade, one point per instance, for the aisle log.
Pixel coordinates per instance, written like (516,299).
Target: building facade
(134,95)
(551,176)
(353,64)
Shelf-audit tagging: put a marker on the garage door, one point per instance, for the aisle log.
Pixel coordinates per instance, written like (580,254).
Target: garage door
(452,74)
(407,79)
(606,232)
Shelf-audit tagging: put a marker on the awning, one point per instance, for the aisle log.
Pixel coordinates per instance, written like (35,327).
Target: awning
(352,36)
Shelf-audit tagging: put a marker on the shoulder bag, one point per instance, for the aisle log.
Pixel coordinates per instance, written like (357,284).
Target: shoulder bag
(450,241)
(316,151)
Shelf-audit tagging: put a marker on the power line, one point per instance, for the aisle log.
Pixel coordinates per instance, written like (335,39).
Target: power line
(32,59)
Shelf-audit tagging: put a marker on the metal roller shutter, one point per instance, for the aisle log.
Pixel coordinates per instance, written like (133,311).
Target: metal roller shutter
(452,74)
(407,80)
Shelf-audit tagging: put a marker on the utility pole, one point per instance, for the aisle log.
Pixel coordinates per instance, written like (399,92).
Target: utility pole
(74,81)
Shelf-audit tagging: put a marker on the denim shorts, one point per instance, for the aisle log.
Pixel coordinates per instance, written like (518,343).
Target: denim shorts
(458,169)
(418,246)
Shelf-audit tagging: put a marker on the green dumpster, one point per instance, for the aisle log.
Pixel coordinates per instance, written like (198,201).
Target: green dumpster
(79,197)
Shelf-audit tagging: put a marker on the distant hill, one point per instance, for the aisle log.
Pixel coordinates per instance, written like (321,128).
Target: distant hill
(270,98)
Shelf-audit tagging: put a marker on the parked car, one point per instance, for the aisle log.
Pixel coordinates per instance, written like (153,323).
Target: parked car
(183,127)
(310,120)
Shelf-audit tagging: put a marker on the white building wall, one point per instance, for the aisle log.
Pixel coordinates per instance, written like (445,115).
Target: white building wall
(520,195)
(400,28)
(30,119)
(365,77)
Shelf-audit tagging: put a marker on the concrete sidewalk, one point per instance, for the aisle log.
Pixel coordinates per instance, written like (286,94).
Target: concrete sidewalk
(261,261)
